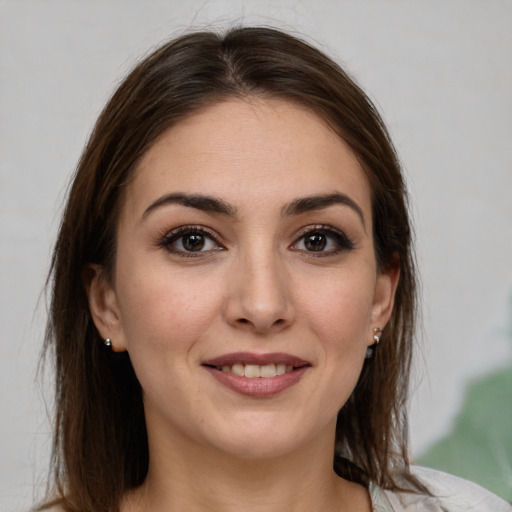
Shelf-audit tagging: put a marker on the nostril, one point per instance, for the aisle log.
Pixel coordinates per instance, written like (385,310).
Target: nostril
(245,321)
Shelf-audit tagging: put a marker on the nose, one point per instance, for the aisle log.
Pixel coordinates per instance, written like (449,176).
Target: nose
(259,296)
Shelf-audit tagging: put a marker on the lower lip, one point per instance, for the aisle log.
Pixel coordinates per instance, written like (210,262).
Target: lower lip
(259,387)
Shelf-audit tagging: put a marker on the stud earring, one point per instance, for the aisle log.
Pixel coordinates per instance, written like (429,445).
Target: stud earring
(108,342)
(370,351)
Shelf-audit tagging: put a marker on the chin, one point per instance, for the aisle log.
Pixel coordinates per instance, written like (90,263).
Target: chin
(258,447)
(257,439)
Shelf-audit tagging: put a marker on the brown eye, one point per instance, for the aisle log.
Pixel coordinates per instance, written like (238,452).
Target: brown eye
(193,242)
(323,240)
(315,242)
(190,241)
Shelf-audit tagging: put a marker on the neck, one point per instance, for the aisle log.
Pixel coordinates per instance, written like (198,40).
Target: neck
(201,478)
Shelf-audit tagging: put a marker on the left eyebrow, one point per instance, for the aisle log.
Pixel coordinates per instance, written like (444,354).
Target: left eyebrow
(319,202)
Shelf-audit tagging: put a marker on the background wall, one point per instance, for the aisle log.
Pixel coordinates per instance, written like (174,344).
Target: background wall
(440,71)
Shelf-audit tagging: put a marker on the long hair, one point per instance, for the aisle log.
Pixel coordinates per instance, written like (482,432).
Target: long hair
(100,444)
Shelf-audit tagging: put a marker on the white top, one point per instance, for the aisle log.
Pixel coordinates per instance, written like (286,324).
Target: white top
(449,494)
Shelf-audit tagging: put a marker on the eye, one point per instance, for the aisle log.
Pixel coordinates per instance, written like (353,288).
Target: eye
(324,240)
(188,240)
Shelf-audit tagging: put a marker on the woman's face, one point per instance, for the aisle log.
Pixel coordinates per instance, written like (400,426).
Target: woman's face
(245,286)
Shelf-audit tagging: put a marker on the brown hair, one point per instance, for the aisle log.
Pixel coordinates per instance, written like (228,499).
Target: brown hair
(100,446)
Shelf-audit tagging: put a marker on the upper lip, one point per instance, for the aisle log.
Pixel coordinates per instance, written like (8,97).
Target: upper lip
(257,359)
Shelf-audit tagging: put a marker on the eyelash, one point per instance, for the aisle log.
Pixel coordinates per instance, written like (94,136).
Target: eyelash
(175,235)
(341,240)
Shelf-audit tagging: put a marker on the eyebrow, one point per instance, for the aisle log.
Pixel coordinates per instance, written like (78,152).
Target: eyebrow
(216,205)
(198,201)
(319,202)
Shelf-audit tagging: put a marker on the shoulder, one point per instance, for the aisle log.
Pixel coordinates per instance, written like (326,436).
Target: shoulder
(449,493)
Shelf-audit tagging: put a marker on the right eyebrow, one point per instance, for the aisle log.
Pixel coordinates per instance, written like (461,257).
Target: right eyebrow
(201,202)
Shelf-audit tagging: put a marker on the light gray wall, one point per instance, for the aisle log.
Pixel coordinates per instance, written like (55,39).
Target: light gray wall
(439,70)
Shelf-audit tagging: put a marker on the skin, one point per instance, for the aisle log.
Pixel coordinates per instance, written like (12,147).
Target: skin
(255,286)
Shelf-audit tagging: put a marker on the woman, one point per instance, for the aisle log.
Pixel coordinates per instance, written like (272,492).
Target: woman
(234,292)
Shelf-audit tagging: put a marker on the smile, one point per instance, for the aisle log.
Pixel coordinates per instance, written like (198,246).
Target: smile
(253,371)
(257,375)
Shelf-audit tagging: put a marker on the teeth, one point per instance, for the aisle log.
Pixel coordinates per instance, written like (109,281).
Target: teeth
(269,370)
(238,369)
(253,371)
(280,369)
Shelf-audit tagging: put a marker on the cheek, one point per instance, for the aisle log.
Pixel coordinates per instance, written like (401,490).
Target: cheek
(342,308)
(165,309)
(340,317)
(343,326)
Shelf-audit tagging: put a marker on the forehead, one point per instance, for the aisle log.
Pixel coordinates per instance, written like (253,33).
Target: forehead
(249,151)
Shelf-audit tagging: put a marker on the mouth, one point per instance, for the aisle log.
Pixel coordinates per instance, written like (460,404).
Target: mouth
(257,375)
(254,371)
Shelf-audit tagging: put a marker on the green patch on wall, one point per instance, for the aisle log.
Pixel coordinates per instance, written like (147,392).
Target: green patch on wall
(479,447)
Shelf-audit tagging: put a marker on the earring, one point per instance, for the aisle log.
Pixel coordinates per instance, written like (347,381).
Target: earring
(370,351)
(108,342)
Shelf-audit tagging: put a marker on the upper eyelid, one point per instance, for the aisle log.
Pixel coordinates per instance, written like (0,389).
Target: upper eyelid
(190,228)
(175,233)
(319,227)
(325,228)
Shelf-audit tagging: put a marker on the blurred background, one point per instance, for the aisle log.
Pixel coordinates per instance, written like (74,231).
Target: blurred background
(441,74)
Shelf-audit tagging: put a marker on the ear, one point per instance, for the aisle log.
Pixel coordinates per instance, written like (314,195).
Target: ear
(384,297)
(103,305)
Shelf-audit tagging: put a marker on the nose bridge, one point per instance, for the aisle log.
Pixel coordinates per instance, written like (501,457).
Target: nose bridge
(259,297)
